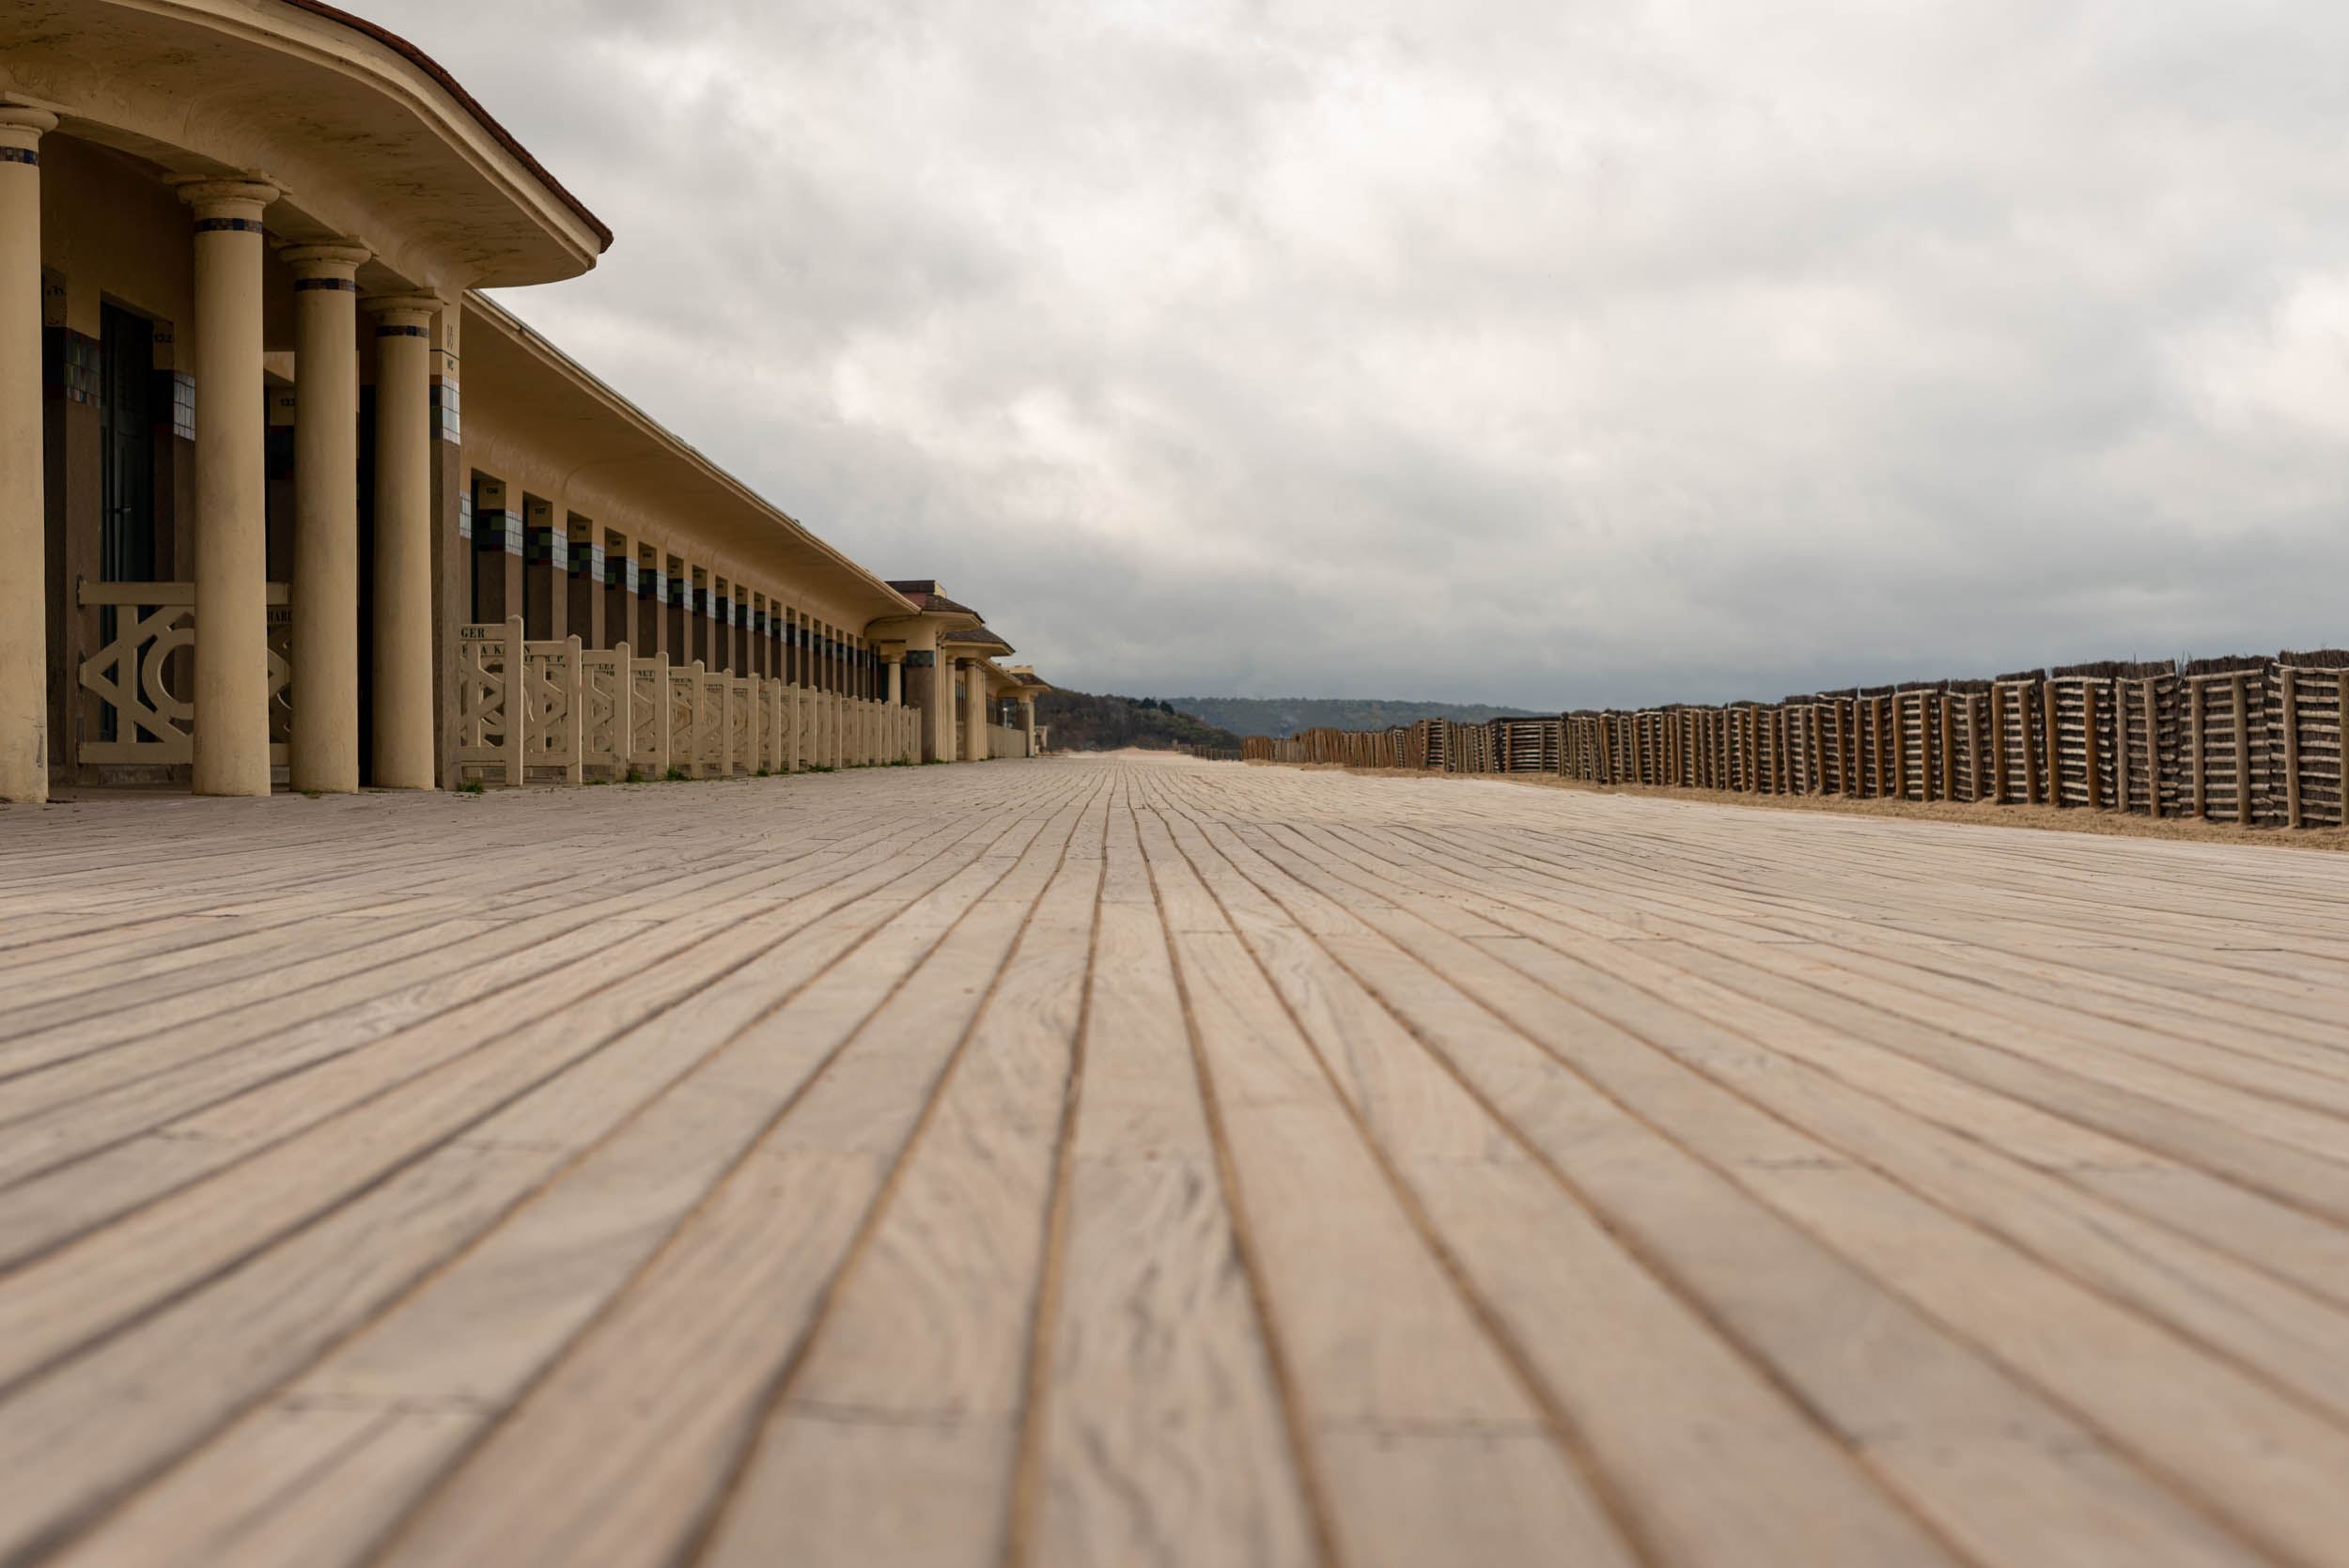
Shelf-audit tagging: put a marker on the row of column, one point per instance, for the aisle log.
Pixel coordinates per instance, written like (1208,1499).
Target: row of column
(231,655)
(227,341)
(723,624)
(231,566)
(971,674)
(23,650)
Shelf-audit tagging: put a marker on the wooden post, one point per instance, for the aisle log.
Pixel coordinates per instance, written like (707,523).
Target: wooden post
(2050,728)
(1839,712)
(1900,743)
(2152,751)
(1949,757)
(2340,714)
(623,709)
(2087,743)
(2121,747)
(2242,753)
(1998,739)
(2194,739)
(778,730)
(1973,748)
(1849,709)
(516,703)
(664,720)
(2023,695)
(1879,732)
(2291,699)
(575,712)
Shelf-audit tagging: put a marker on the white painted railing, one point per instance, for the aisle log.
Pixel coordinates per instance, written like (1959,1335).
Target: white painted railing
(604,713)
(584,712)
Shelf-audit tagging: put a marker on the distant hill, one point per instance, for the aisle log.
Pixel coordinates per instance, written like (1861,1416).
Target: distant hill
(1279,716)
(1083,722)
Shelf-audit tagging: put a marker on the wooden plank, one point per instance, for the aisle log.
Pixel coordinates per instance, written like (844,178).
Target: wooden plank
(1462,1172)
(1159,1430)
(896,1439)
(1411,1368)
(1994,1467)
(2266,1478)
(254,1323)
(627,1445)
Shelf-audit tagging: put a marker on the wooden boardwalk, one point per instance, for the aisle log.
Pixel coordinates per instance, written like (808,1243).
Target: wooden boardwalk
(1103,1162)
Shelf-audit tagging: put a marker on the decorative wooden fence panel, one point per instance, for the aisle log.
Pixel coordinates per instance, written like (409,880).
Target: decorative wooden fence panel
(553,730)
(652,718)
(488,706)
(603,711)
(148,690)
(713,728)
(608,689)
(2251,741)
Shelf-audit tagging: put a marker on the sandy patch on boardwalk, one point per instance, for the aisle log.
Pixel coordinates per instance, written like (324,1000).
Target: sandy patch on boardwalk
(2043,818)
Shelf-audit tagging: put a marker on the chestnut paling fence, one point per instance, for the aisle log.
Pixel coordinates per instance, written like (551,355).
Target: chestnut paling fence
(2247,740)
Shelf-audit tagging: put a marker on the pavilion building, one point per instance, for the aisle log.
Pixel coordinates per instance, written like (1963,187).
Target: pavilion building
(268,456)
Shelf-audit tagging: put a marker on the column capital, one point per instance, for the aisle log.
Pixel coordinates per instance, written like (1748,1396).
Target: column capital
(329,262)
(400,314)
(21,126)
(233,204)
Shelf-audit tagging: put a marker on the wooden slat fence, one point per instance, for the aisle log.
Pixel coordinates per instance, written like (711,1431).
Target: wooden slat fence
(2252,741)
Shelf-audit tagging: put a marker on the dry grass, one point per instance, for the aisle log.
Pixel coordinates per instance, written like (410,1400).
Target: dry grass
(2050,819)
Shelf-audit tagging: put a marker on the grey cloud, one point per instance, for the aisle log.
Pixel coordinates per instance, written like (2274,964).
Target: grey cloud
(1534,354)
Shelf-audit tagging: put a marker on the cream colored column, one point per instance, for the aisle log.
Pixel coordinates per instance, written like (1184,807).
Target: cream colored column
(946,697)
(402,689)
(324,750)
(23,529)
(1027,722)
(896,680)
(975,747)
(231,501)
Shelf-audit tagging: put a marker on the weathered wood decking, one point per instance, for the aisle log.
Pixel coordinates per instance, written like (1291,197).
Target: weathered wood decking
(1087,1163)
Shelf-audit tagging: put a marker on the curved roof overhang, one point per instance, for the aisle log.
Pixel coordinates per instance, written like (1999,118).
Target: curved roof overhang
(611,448)
(365,135)
(975,642)
(945,623)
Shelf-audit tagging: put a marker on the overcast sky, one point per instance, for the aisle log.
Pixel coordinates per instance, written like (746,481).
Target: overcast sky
(1546,353)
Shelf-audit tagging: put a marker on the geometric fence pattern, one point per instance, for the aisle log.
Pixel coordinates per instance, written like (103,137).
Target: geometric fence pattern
(554,712)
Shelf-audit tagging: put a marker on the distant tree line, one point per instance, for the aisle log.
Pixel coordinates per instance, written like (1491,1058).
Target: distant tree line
(1286,715)
(1083,722)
